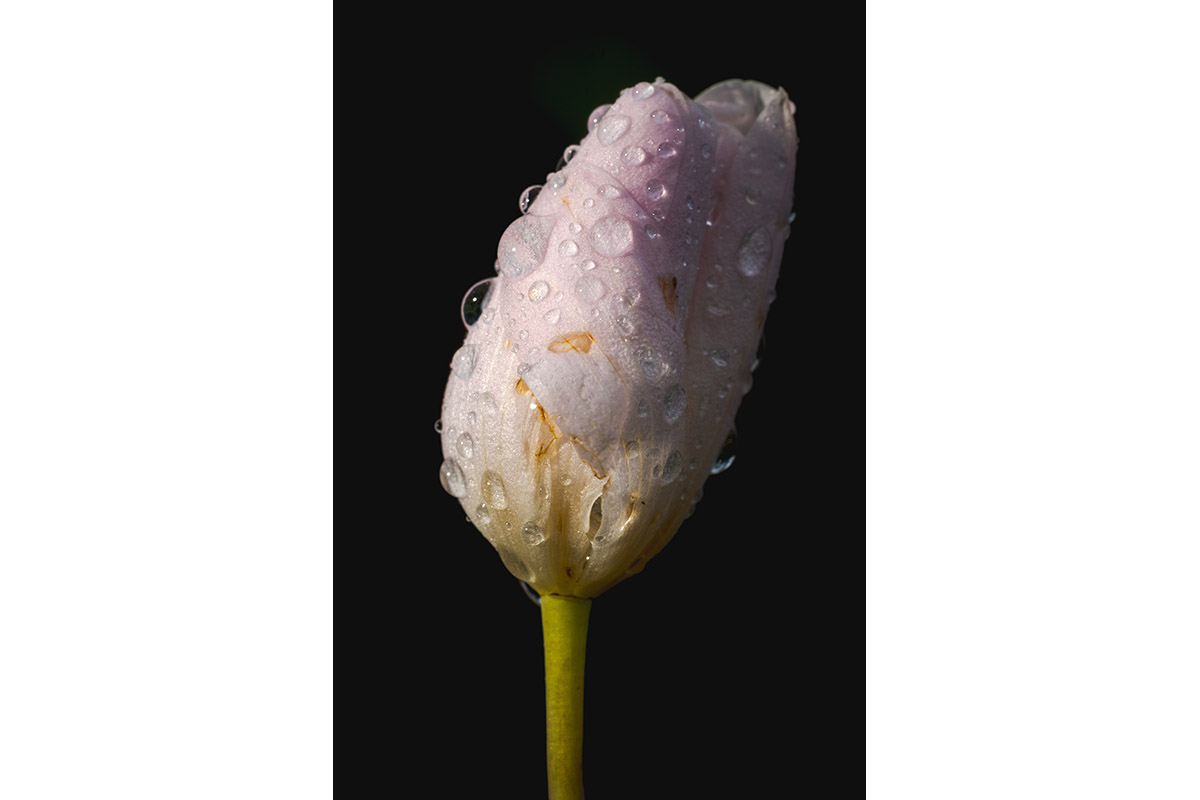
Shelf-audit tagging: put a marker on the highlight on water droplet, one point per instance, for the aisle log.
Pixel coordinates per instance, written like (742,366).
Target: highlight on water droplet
(493,491)
(642,91)
(667,150)
(655,189)
(538,291)
(728,453)
(597,115)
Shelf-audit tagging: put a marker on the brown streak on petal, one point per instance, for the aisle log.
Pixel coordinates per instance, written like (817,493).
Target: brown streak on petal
(668,283)
(522,387)
(580,342)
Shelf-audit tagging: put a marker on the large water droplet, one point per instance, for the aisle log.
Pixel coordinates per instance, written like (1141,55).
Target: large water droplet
(463,363)
(660,117)
(523,245)
(589,288)
(552,315)
(754,253)
(633,155)
(597,115)
(533,534)
(624,325)
(655,189)
(493,491)
(727,454)
(452,478)
(527,197)
(674,402)
(538,291)
(666,150)
(474,301)
(567,248)
(612,236)
(650,361)
(612,128)
(642,91)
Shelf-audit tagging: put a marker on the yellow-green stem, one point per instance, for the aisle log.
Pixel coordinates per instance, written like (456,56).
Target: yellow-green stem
(564,630)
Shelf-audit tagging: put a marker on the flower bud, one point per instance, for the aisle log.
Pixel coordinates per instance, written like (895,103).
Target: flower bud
(603,367)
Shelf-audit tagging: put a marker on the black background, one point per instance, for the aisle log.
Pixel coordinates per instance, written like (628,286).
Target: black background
(708,674)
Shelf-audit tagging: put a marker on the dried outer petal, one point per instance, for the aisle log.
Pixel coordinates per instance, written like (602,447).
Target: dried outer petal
(622,327)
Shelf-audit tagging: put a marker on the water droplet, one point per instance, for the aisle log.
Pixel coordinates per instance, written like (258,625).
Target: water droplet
(574,227)
(719,357)
(589,265)
(718,308)
(651,232)
(642,91)
(632,295)
(705,151)
(567,248)
(633,155)
(759,353)
(589,288)
(493,491)
(658,215)
(660,117)
(752,196)
(655,189)
(463,363)
(642,408)
(612,236)
(437,426)
(538,291)
(452,478)
(483,514)
(674,402)
(597,115)
(650,361)
(556,180)
(672,467)
(523,335)
(589,202)
(466,445)
(533,534)
(624,325)
(609,191)
(612,128)
(552,315)
(527,198)
(666,150)
(474,301)
(754,253)
(727,454)
(523,245)
(571,151)
(524,368)
(691,204)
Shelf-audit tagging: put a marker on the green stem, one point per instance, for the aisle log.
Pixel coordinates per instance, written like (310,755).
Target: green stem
(564,629)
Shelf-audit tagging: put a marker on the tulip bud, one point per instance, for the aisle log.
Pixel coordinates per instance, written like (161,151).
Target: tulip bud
(603,367)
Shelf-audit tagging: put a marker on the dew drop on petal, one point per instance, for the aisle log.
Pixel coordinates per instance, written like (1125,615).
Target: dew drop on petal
(672,467)
(533,534)
(466,445)
(493,491)
(597,115)
(612,128)
(538,291)
(552,316)
(463,363)
(474,301)
(642,91)
(655,189)
(727,454)
(452,478)
(589,288)
(567,248)
(633,155)
(674,402)
(660,117)
(612,236)
(754,253)
(527,197)
(666,150)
